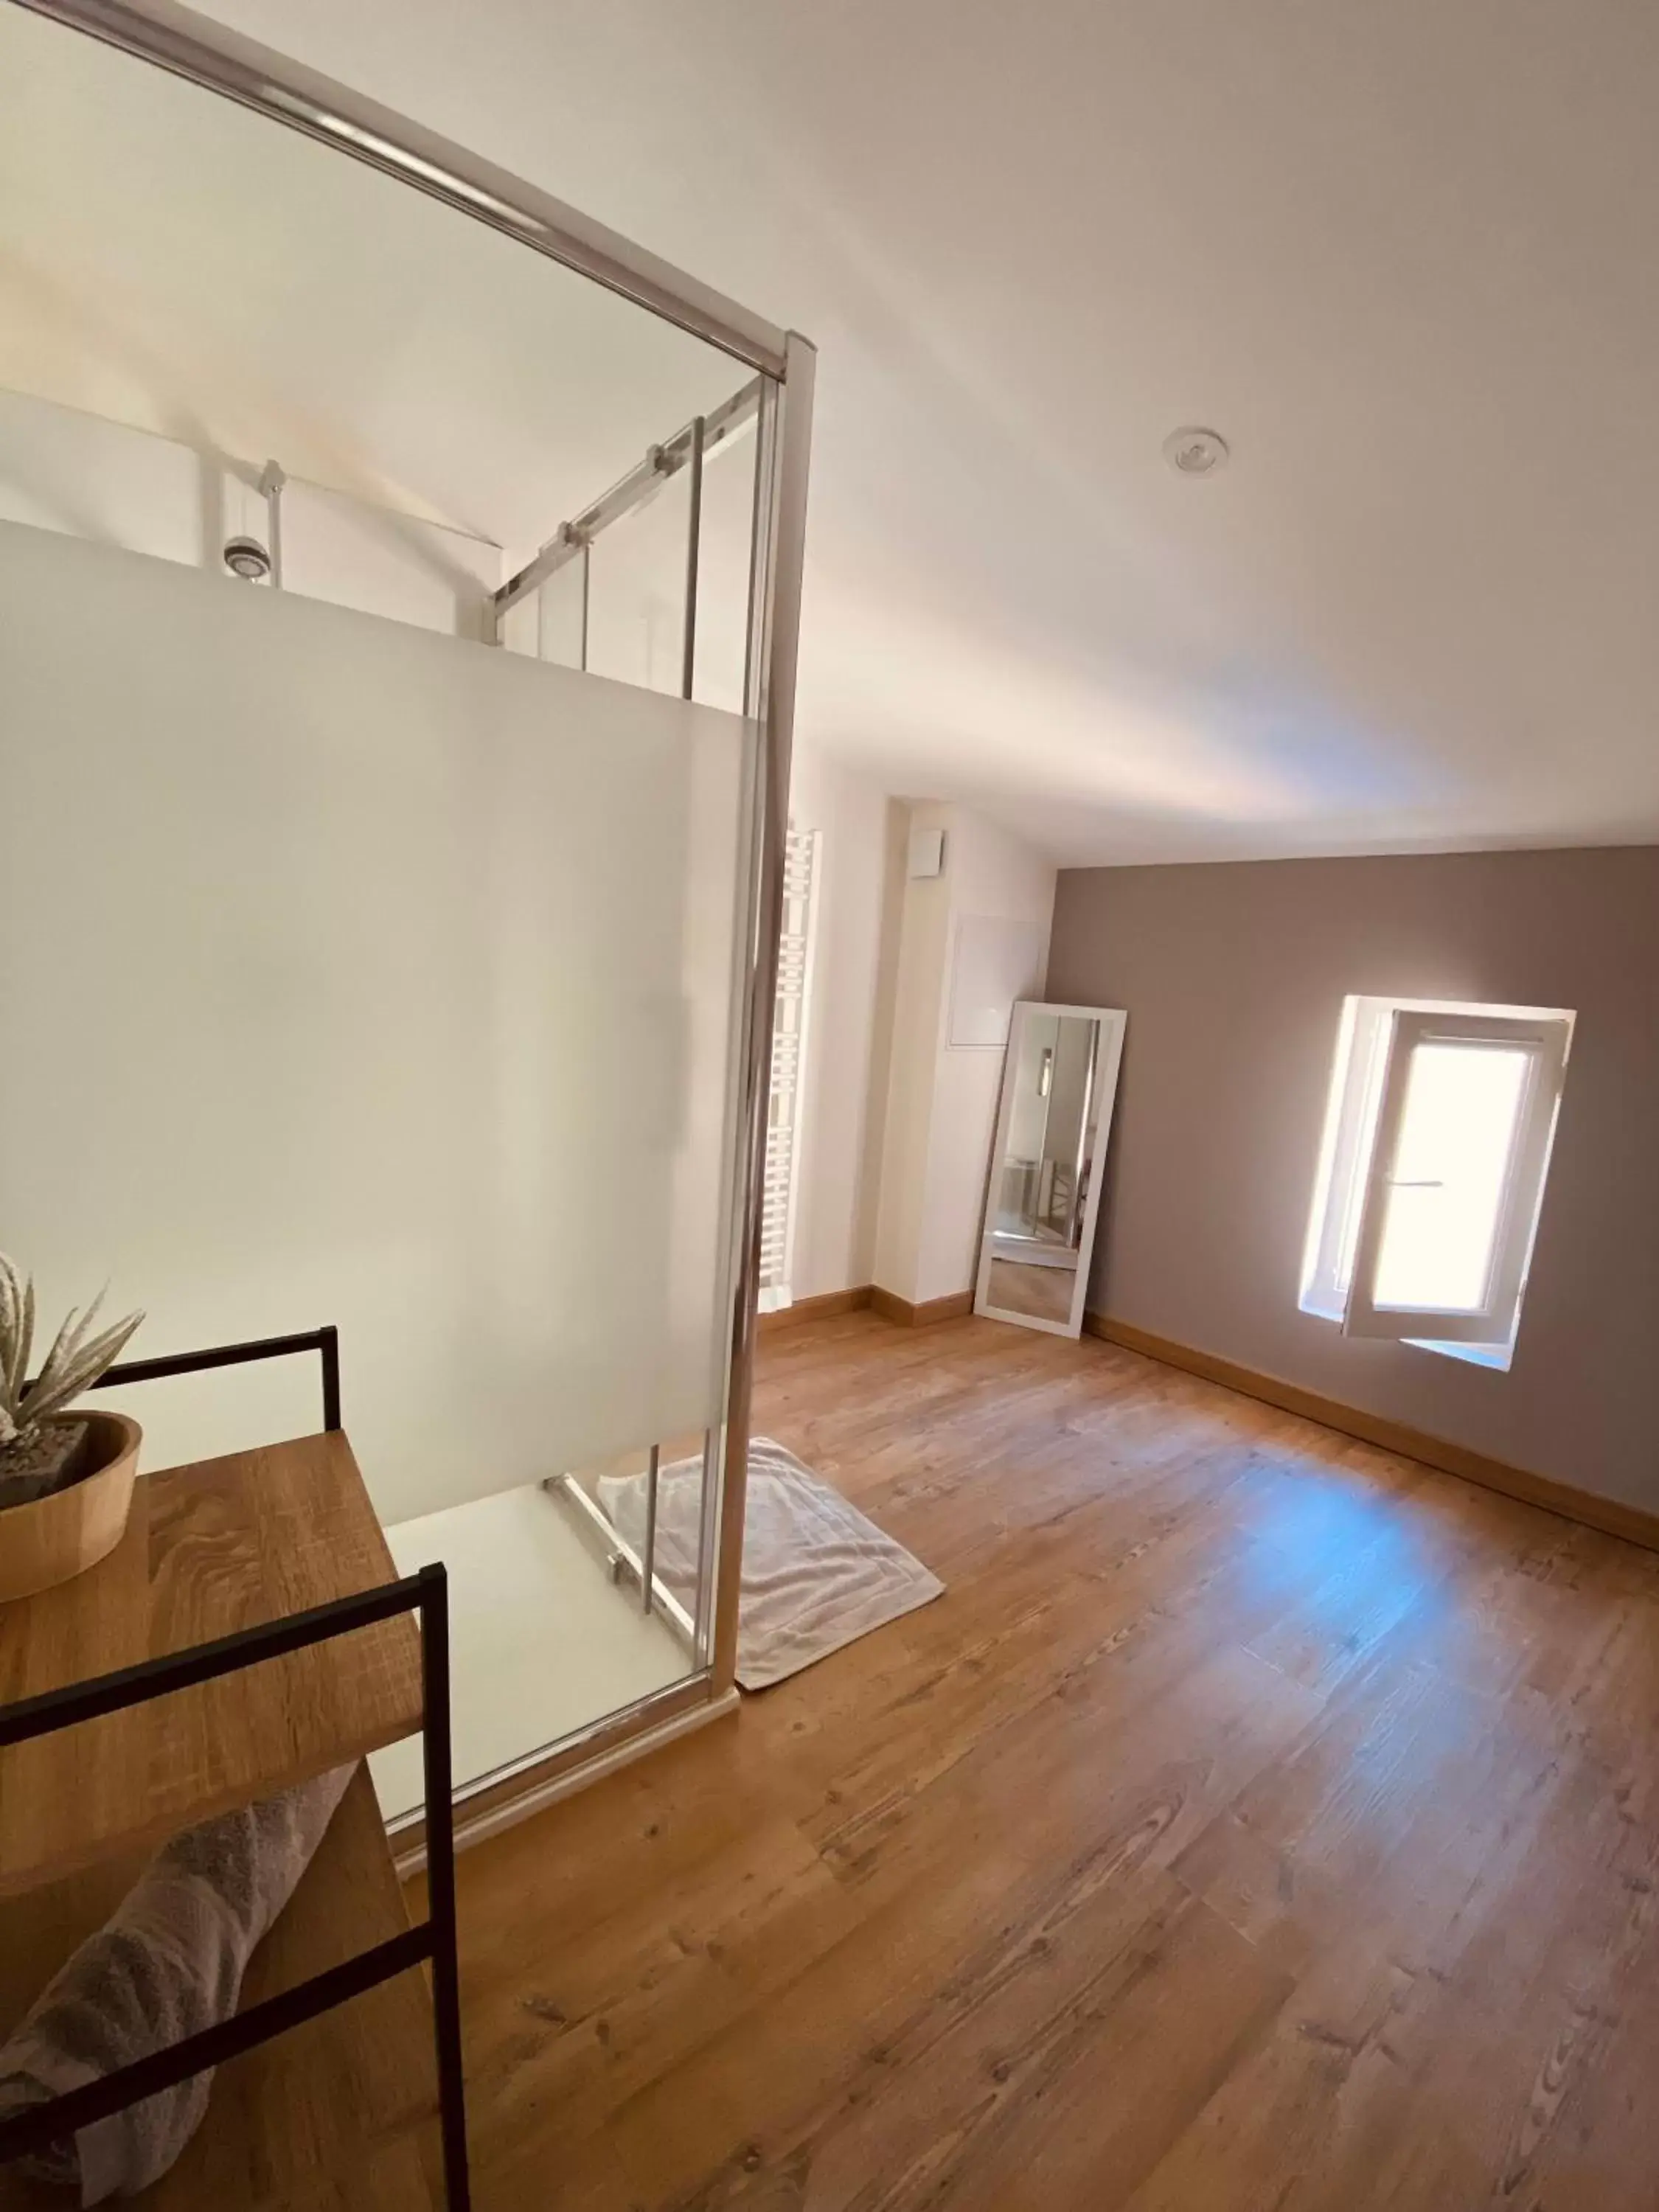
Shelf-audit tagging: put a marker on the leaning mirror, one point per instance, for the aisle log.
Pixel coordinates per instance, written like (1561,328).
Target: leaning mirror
(1058,1084)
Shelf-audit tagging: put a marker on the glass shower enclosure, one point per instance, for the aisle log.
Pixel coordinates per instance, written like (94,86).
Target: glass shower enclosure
(392,909)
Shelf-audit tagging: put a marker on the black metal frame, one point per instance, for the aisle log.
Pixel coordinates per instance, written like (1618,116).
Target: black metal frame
(325,1342)
(431,1940)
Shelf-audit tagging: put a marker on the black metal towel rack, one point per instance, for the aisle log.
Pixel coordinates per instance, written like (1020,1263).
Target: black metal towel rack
(431,1941)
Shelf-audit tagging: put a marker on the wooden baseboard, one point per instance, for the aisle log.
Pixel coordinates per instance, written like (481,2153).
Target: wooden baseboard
(891,1307)
(887,1303)
(1607,1513)
(820,1308)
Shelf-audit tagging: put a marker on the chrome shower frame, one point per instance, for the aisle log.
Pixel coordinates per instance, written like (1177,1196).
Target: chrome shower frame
(206,53)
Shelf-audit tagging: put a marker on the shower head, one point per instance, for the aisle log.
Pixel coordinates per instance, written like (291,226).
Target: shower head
(247,558)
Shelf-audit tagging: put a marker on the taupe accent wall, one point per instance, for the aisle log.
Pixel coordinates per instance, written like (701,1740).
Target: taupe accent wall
(1234,975)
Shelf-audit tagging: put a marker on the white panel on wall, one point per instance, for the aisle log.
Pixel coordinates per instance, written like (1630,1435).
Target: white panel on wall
(995,960)
(352,973)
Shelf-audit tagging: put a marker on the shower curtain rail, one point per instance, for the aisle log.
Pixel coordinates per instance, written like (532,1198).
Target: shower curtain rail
(207,53)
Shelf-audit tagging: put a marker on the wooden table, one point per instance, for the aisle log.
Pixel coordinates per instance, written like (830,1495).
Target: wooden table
(345,2103)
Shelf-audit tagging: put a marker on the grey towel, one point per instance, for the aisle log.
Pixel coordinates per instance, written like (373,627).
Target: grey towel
(170,1961)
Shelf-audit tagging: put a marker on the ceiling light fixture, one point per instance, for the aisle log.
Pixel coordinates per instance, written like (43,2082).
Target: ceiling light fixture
(1191,452)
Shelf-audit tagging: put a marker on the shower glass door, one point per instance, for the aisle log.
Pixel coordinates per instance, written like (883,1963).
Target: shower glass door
(382,950)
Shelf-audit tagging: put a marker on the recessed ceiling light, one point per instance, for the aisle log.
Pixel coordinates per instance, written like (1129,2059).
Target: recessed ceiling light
(1191,452)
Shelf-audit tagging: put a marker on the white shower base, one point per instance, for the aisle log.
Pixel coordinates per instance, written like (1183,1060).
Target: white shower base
(541,1642)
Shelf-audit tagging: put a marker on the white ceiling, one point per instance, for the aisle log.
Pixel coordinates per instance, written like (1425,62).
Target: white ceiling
(1403,256)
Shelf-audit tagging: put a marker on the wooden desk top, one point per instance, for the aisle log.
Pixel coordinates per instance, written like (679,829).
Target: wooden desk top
(210,1548)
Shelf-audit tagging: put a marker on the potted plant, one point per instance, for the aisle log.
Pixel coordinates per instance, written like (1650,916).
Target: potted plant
(65,1478)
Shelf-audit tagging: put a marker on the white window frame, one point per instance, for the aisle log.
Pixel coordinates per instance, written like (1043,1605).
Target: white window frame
(1374,1045)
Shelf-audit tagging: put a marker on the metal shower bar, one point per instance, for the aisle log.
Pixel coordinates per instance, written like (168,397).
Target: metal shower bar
(652,1486)
(571,539)
(693,549)
(621,1553)
(194,46)
(273,482)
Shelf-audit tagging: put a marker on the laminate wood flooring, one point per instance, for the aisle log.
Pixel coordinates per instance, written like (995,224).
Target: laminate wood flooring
(1260,1823)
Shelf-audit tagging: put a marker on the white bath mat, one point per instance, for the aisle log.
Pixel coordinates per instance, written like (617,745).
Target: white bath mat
(817,1574)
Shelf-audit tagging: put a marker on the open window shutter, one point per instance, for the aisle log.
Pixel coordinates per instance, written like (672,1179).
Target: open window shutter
(1457,1171)
(788,1050)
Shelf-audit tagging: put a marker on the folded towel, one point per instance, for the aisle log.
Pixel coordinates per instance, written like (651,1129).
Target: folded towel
(169,1962)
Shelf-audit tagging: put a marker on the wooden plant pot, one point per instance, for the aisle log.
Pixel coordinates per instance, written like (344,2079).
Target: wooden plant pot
(53,1538)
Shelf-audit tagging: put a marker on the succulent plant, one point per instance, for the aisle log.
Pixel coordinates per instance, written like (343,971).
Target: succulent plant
(76,1361)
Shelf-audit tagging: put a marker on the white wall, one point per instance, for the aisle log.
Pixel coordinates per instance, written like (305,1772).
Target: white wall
(86,478)
(922,953)
(942,1107)
(849,1020)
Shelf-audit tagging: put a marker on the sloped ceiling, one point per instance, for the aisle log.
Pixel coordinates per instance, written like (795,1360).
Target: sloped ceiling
(1403,257)
(171,261)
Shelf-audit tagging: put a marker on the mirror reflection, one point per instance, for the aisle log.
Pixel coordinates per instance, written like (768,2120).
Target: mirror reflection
(1059,1082)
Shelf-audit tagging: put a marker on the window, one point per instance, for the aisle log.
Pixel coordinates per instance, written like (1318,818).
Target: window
(1431,1171)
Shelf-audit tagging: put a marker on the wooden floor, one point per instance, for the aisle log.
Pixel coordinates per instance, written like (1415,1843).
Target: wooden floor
(1258,1823)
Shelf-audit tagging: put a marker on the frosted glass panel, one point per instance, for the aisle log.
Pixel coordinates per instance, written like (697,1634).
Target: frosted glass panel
(1450,1167)
(353,973)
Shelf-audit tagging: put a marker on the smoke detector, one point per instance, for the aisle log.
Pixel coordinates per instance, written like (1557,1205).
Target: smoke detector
(1191,452)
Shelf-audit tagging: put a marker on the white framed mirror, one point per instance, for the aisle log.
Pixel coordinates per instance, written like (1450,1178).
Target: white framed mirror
(1058,1082)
